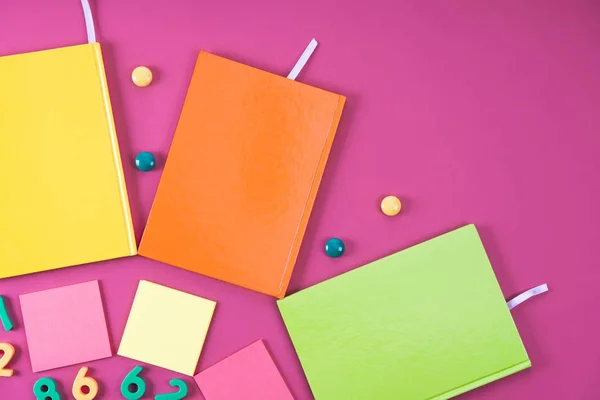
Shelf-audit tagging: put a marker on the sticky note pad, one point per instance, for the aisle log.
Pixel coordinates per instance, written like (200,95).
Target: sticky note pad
(429,322)
(65,326)
(249,374)
(63,200)
(242,175)
(166,328)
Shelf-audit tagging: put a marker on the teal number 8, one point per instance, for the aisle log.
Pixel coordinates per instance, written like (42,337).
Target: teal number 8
(132,378)
(44,388)
(178,395)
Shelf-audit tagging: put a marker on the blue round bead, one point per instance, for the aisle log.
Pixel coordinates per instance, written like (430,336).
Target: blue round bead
(145,161)
(334,247)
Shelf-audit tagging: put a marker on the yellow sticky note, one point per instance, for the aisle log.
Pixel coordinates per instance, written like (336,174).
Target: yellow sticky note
(166,328)
(63,199)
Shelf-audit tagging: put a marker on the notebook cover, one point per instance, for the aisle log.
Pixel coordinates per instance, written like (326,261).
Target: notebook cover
(429,322)
(241,175)
(63,199)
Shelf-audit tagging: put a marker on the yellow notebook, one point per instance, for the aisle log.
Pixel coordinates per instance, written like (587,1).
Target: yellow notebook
(63,199)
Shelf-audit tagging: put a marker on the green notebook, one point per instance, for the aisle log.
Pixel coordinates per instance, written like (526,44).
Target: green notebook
(429,322)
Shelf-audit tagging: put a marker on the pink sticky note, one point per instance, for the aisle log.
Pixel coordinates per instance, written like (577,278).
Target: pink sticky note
(65,326)
(249,374)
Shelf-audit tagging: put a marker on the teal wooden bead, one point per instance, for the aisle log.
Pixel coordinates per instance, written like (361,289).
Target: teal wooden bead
(145,161)
(334,247)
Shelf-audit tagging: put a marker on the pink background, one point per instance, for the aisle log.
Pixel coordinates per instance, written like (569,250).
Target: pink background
(470,111)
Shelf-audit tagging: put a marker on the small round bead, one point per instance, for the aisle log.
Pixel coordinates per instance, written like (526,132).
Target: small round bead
(334,247)
(391,205)
(141,76)
(145,161)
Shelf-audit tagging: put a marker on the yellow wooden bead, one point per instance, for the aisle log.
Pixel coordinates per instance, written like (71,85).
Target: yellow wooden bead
(141,76)
(391,205)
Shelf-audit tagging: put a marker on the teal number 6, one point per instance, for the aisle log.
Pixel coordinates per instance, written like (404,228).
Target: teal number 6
(132,379)
(178,395)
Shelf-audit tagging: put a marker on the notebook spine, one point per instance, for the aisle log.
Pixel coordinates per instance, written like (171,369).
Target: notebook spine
(115,150)
(484,381)
(287,273)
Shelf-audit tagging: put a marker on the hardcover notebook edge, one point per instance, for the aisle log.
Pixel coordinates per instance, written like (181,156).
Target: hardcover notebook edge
(125,207)
(484,380)
(303,223)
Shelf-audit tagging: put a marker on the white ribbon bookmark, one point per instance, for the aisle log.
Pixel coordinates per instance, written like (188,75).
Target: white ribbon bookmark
(527,295)
(303,59)
(89,21)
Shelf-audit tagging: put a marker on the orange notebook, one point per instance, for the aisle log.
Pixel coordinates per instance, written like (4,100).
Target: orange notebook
(242,175)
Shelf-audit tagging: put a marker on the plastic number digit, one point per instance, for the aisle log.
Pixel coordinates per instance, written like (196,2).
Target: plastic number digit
(132,379)
(45,388)
(9,352)
(6,322)
(82,381)
(178,395)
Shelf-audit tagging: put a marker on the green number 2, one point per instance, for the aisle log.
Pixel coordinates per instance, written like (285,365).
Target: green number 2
(178,395)
(132,379)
